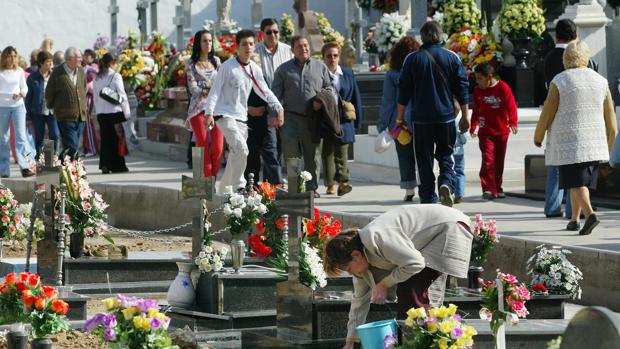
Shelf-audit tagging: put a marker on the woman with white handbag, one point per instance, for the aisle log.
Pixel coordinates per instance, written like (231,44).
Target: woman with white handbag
(112,110)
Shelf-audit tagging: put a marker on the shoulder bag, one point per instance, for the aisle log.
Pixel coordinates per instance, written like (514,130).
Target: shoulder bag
(348,107)
(109,94)
(457,105)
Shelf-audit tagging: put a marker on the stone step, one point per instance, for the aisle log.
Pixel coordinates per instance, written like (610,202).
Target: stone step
(202,321)
(122,287)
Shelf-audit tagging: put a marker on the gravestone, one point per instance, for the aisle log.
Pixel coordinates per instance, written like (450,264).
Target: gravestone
(307,23)
(182,21)
(153,4)
(419,12)
(592,327)
(113,11)
(141,7)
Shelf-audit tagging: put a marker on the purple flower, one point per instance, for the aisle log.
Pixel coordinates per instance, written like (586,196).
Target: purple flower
(109,321)
(93,322)
(109,334)
(127,301)
(457,332)
(457,317)
(155,323)
(146,304)
(421,322)
(390,341)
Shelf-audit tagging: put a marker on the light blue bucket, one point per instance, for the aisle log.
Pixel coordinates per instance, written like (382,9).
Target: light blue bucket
(375,334)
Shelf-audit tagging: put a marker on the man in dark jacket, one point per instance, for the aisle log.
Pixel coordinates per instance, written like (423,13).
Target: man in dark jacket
(432,78)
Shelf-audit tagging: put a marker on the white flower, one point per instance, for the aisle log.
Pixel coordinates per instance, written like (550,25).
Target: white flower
(207,268)
(262,209)
(223,251)
(306,176)
(208,249)
(228,189)
(218,266)
(202,254)
(237,212)
(227,209)
(216,258)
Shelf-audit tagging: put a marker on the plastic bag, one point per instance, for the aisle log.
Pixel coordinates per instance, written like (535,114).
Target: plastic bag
(383,142)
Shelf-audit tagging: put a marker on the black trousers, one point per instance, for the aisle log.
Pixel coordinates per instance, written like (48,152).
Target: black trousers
(263,151)
(110,159)
(434,142)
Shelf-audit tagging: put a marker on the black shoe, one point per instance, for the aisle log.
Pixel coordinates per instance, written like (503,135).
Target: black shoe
(409,198)
(105,170)
(591,223)
(445,196)
(28,173)
(316,194)
(344,188)
(487,196)
(573,226)
(458,199)
(555,215)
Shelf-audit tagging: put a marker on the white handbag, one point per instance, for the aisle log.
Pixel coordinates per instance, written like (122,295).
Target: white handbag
(383,142)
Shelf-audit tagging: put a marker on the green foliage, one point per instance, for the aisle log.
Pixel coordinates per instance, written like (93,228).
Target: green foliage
(45,323)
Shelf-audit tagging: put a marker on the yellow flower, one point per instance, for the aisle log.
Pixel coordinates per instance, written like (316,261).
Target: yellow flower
(434,312)
(153,312)
(442,343)
(129,312)
(446,326)
(416,313)
(432,327)
(443,312)
(111,303)
(141,323)
(409,322)
(451,309)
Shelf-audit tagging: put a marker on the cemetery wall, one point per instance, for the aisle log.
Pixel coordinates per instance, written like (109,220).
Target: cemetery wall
(77,22)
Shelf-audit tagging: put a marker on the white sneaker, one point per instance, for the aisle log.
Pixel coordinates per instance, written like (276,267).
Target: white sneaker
(445,196)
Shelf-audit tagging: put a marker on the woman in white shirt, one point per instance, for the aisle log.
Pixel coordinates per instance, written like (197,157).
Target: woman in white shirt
(13,89)
(110,116)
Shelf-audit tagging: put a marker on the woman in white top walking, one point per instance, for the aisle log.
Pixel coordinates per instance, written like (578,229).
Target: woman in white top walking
(200,72)
(13,89)
(110,116)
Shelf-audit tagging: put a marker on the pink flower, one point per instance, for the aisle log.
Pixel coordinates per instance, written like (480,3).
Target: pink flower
(5,219)
(5,207)
(18,218)
(523,293)
(510,278)
(478,218)
(89,231)
(517,306)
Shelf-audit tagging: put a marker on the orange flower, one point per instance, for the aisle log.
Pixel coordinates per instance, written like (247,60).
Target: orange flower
(33,279)
(21,286)
(28,301)
(49,292)
(268,190)
(60,307)
(39,303)
(23,277)
(280,224)
(310,227)
(10,278)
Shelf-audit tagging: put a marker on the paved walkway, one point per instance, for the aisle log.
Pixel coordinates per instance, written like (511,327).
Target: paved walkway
(517,217)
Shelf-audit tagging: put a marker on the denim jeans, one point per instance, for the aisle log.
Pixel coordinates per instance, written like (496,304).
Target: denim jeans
(70,132)
(39,122)
(459,171)
(434,142)
(406,165)
(263,146)
(554,195)
(25,153)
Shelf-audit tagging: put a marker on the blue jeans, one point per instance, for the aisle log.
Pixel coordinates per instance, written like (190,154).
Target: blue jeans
(70,132)
(434,142)
(406,165)
(554,195)
(25,153)
(459,170)
(39,122)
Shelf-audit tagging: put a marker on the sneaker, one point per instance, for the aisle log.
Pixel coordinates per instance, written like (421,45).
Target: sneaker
(591,223)
(573,226)
(445,196)
(409,195)
(458,199)
(344,188)
(331,190)
(28,173)
(487,196)
(501,195)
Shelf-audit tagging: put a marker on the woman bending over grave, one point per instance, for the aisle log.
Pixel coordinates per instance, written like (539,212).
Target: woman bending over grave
(410,250)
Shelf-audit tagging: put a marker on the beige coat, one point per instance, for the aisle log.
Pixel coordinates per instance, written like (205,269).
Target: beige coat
(402,242)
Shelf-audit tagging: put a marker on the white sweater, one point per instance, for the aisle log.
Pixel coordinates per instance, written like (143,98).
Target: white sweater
(116,83)
(577,133)
(12,81)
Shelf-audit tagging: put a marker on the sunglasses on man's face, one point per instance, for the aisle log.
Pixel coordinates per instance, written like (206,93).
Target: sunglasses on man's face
(335,55)
(274,32)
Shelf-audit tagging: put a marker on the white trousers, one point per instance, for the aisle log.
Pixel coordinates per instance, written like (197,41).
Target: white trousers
(236,134)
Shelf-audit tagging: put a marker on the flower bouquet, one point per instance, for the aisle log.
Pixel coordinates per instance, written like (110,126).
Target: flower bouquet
(551,268)
(391,28)
(329,34)
(130,65)
(243,213)
(521,19)
(311,271)
(210,259)
(15,294)
(475,46)
(458,14)
(512,308)
(438,327)
(287,29)
(9,217)
(85,207)
(131,322)
(321,228)
(485,237)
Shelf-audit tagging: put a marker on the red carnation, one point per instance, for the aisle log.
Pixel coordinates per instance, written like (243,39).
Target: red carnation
(279,224)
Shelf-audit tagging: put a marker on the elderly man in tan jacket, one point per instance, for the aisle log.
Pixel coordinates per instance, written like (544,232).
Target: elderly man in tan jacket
(412,247)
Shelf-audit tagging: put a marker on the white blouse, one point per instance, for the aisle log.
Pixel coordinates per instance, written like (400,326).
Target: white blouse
(12,81)
(116,83)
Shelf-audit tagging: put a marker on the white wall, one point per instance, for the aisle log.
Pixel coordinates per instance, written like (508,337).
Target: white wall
(25,23)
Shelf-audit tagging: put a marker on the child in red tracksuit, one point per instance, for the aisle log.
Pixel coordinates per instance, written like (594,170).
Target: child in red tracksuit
(494,117)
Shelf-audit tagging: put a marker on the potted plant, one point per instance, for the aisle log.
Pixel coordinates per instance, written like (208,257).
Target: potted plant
(485,237)
(131,322)
(521,21)
(440,327)
(46,317)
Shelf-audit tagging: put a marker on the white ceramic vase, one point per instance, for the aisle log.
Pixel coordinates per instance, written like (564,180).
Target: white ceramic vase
(181,293)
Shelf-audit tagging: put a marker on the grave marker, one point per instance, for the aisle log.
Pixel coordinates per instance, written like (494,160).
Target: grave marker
(113,11)
(153,4)
(142,6)
(592,327)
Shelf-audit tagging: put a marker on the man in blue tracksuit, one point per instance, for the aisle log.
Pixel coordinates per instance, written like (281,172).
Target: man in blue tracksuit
(432,78)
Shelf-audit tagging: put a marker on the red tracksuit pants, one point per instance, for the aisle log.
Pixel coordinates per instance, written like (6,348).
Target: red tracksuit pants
(212,141)
(493,148)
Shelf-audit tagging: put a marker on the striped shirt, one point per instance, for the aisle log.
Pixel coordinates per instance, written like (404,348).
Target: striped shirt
(270,61)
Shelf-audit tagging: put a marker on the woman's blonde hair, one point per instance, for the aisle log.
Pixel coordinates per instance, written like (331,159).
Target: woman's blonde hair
(4,58)
(47,45)
(576,55)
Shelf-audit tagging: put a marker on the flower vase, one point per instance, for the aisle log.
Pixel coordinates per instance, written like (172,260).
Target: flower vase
(41,343)
(76,245)
(237,252)
(17,338)
(521,51)
(473,274)
(181,293)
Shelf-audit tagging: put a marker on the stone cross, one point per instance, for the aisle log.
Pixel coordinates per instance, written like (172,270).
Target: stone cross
(257,14)
(153,4)
(419,11)
(142,6)
(187,14)
(200,188)
(179,21)
(113,11)
(359,23)
(307,24)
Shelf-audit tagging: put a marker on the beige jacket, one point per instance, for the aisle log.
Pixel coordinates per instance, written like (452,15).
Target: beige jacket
(402,242)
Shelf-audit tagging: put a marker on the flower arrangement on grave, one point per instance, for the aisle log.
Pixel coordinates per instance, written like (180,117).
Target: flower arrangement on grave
(100,46)
(311,271)
(515,295)
(438,327)
(540,289)
(458,14)
(329,34)
(228,44)
(550,267)
(130,65)
(386,5)
(209,259)
(25,212)
(321,228)
(485,238)
(391,28)
(85,208)
(243,213)
(287,28)
(156,79)
(9,217)
(475,46)
(131,322)
(521,19)
(269,226)
(304,176)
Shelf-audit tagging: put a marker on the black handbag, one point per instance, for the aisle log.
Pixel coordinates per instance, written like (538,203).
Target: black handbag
(109,94)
